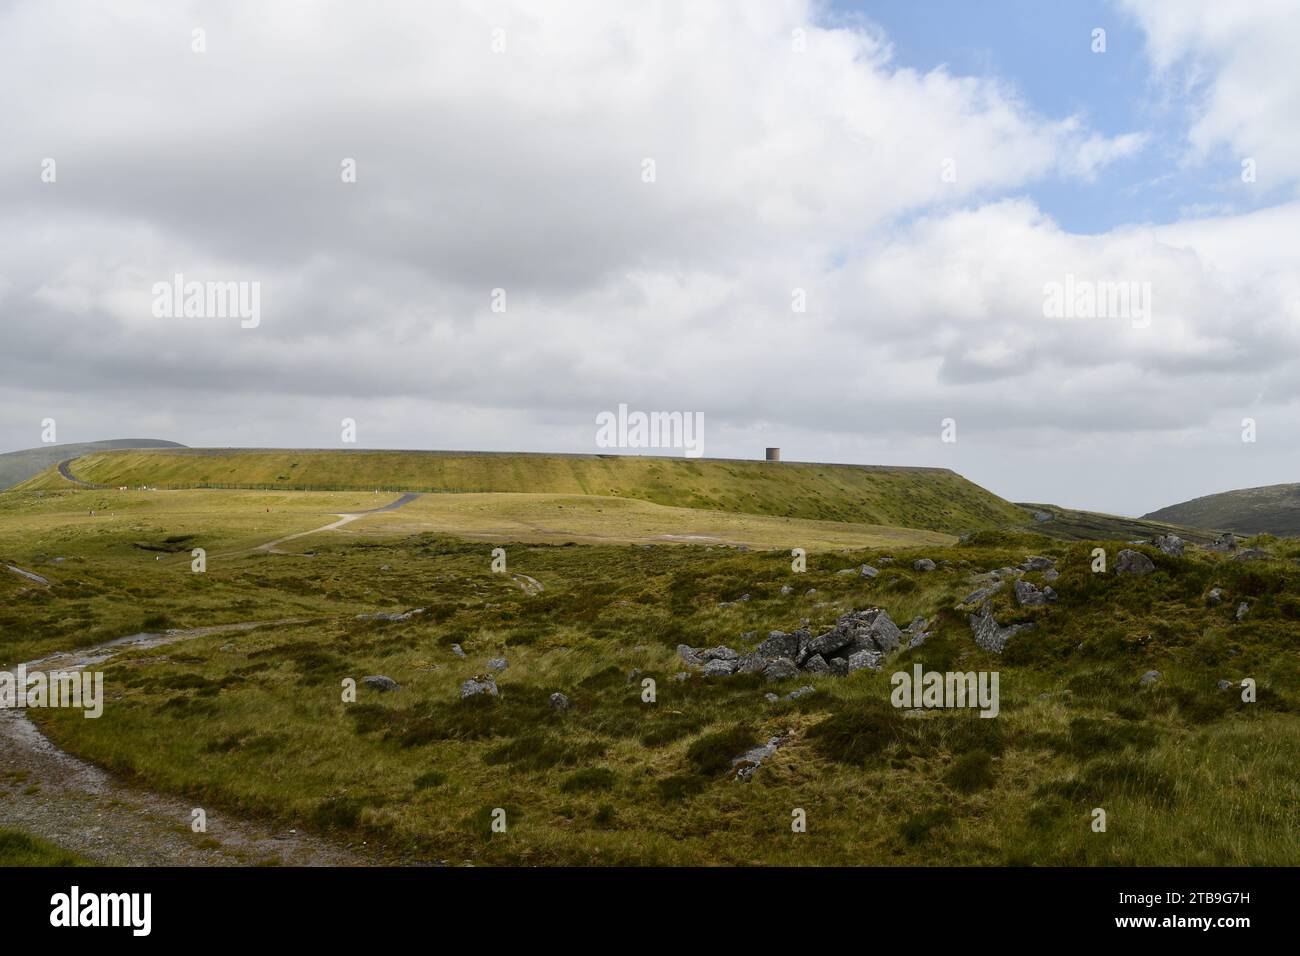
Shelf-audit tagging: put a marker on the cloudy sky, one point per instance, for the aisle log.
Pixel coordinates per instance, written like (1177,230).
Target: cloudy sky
(655,186)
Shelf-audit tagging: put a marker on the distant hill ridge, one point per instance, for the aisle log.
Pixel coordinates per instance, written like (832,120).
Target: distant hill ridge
(911,497)
(18,466)
(1270,509)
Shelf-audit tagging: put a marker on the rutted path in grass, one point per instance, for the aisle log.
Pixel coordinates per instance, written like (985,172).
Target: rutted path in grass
(76,805)
(344,518)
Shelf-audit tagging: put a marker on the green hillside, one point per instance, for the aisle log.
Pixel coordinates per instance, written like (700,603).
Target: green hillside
(17,466)
(930,498)
(1067,524)
(1271,509)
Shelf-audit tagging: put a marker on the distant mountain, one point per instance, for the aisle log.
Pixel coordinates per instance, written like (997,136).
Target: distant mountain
(1272,509)
(16,466)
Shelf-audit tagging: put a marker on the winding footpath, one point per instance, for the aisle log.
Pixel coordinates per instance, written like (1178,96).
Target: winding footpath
(75,805)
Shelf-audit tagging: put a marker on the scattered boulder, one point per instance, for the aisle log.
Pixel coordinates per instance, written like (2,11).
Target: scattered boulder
(864,659)
(1225,542)
(786,589)
(1150,677)
(780,669)
(1129,561)
(484,684)
(1028,595)
(771,698)
(458,650)
(720,667)
(923,564)
(1251,554)
(749,762)
(816,665)
(1242,610)
(1042,516)
(1037,563)
(1051,575)
(559,701)
(1224,684)
(798,692)
(867,571)
(380,683)
(779,644)
(1215,596)
(980,596)
(989,634)
(1169,544)
(498,664)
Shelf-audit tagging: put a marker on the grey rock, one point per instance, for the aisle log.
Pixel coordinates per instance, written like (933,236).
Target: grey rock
(798,692)
(1150,677)
(749,762)
(918,639)
(1225,542)
(918,624)
(1028,595)
(458,650)
(786,589)
(923,564)
(634,675)
(478,685)
(990,635)
(830,642)
(1224,684)
(719,667)
(1051,575)
(681,676)
(864,660)
(498,664)
(867,571)
(1242,610)
(1251,554)
(1215,596)
(751,664)
(380,683)
(688,655)
(1169,544)
(839,666)
(559,701)
(847,571)
(779,644)
(816,665)
(980,596)
(719,653)
(1042,516)
(1037,563)
(780,669)
(1129,561)
(771,698)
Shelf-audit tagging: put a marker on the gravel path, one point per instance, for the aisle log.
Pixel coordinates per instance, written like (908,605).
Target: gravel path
(81,808)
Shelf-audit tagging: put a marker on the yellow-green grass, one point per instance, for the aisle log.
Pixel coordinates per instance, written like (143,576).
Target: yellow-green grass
(934,499)
(254,722)
(22,849)
(591,519)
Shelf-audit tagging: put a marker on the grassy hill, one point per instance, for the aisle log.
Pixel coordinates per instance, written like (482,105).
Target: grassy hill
(1068,524)
(18,466)
(934,499)
(1272,509)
